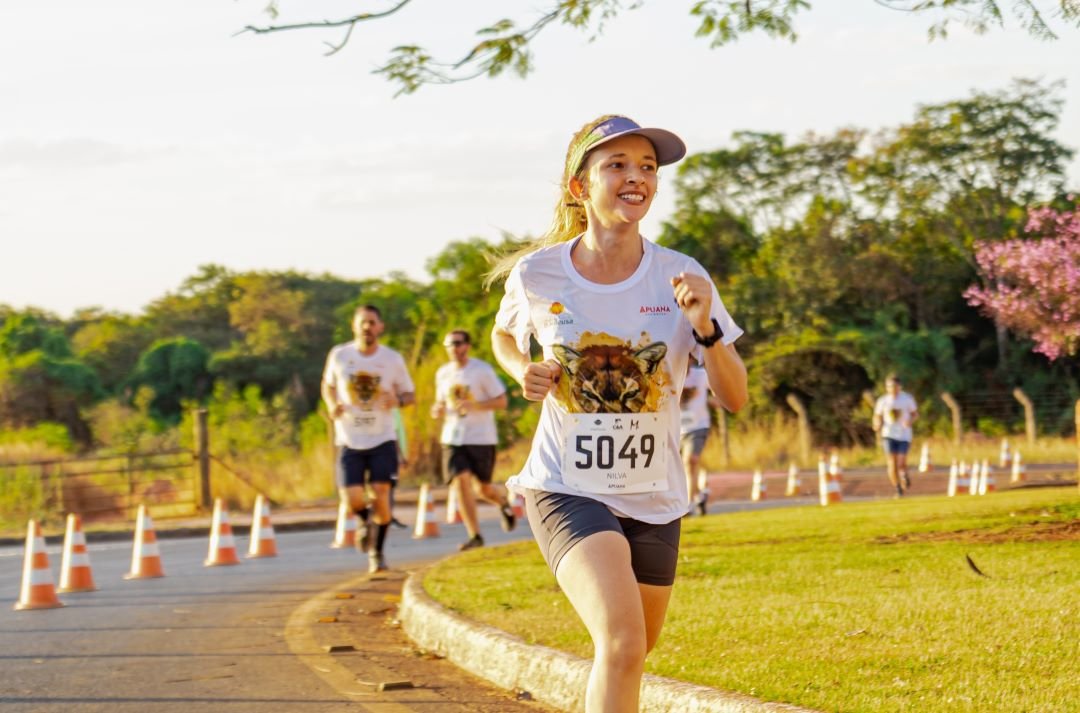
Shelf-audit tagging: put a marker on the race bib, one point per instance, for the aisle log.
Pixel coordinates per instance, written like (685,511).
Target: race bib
(363,422)
(615,452)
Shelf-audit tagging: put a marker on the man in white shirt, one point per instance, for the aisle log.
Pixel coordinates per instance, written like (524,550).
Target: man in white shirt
(467,394)
(695,421)
(894,414)
(362,383)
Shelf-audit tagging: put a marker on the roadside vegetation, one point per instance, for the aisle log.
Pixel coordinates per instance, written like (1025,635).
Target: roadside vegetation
(933,605)
(844,256)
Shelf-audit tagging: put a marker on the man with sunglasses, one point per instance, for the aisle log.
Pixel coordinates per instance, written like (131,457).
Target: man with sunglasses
(467,394)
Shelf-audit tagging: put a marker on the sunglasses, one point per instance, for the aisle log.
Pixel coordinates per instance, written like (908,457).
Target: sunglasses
(455,343)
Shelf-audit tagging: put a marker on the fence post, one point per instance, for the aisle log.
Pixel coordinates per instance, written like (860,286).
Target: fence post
(870,402)
(202,458)
(1029,414)
(805,444)
(957,426)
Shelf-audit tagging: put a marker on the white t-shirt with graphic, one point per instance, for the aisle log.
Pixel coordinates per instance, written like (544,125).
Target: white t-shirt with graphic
(360,382)
(895,413)
(475,382)
(694,402)
(610,430)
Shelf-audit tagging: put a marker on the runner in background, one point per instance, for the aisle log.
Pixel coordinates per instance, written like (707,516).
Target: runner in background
(694,426)
(894,414)
(362,383)
(467,394)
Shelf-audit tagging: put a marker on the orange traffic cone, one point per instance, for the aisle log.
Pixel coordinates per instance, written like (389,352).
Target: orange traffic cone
(262,543)
(426,523)
(829,476)
(758,490)
(986,479)
(453,512)
(38,591)
(1019,472)
(954,472)
(924,459)
(345,532)
(1005,457)
(793,481)
(75,574)
(145,557)
(222,545)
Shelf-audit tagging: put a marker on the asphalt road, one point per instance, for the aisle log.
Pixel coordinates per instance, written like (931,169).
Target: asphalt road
(239,638)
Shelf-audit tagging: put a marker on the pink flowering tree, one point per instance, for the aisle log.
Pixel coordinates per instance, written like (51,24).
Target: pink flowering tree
(1033,285)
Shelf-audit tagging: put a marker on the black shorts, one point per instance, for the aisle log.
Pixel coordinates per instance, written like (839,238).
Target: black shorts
(560,521)
(378,464)
(478,460)
(894,447)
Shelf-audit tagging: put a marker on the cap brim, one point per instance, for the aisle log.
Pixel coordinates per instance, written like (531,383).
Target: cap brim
(669,147)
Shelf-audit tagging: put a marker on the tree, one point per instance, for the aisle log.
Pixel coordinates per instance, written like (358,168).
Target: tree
(175,370)
(1035,284)
(506,46)
(40,379)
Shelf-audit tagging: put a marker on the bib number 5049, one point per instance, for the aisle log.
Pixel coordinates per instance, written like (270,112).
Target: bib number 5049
(600,452)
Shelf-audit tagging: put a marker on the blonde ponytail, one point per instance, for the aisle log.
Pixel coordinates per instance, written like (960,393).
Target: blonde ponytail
(569,219)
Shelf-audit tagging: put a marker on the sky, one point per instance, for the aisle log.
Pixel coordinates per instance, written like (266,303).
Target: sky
(140,140)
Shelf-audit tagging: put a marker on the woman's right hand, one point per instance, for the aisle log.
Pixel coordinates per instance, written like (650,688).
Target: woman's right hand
(539,378)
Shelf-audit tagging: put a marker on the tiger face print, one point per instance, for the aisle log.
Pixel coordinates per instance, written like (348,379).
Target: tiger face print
(609,378)
(364,386)
(459,393)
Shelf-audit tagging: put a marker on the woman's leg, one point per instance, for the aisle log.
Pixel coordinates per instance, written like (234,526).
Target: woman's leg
(596,577)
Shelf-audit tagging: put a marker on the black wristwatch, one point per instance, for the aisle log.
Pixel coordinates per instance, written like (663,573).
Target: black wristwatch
(713,338)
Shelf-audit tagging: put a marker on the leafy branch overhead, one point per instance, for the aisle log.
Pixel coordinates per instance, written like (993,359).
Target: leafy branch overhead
(506,44)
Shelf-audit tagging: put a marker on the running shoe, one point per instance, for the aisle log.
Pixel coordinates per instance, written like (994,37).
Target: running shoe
(702,502)
(509,521)
(471,543)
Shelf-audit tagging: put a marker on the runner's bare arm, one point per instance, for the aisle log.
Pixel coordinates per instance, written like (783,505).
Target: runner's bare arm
(727,373)
(329,395)
(537,378)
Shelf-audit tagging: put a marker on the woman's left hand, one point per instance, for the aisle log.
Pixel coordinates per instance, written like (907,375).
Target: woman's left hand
(693,294)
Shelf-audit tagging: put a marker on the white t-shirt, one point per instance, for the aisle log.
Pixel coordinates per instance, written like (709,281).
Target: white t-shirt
(359,382)
(895,415)
(454,385)
(624,350)
(693,402)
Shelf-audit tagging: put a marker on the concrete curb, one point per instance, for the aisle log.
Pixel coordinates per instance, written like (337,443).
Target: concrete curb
(553,677)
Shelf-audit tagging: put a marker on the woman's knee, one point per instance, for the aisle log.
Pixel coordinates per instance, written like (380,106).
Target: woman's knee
(625,647)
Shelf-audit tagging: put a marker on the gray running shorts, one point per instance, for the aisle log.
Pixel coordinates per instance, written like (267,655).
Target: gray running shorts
(560,521)
(696,440)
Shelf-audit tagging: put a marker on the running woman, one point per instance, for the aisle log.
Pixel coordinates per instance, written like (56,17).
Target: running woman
(617,318)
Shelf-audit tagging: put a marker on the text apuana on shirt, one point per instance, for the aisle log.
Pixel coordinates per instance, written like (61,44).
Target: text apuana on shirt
(611,428)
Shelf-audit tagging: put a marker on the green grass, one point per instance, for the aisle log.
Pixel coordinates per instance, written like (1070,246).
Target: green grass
(858,607)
